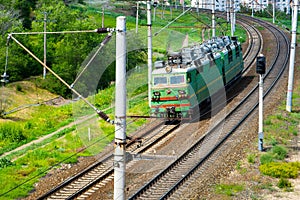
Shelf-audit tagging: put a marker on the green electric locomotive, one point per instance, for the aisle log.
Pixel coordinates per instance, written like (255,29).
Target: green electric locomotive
(190,77)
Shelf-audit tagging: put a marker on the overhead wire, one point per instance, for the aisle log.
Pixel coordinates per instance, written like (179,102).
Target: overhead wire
(99,112)
(105,41)
(55,32)
(62,161)
(166,26)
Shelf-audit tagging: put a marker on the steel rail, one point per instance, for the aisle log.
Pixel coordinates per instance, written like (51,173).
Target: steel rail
(108,171)
(193,170)
(143,190)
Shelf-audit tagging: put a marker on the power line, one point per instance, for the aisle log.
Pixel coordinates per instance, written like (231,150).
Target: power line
(56,32)
(99,112)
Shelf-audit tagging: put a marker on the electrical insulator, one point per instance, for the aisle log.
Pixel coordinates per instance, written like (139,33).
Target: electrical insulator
(4,79)
(104,30)
(155,4)
(261,64)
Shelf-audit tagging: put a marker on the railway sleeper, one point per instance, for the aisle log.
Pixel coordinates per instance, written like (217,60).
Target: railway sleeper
(57,197)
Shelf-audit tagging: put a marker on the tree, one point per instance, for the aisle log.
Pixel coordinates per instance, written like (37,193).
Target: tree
(26,8)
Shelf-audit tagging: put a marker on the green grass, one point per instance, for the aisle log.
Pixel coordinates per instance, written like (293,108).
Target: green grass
(65,147)
(43,120)
(251,158)
(228,190)
(279,128)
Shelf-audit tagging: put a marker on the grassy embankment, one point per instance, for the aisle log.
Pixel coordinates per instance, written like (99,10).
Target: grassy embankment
(270,171)
(281,130)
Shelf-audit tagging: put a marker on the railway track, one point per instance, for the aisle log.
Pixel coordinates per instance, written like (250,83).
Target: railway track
(97,175)
(176,178)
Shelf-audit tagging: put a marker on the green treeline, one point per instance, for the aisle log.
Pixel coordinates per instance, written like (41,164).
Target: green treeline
(66,54)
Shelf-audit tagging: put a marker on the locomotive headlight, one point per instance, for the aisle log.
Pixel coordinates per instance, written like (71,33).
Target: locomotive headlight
(156,93)
(181,92)
(168,69)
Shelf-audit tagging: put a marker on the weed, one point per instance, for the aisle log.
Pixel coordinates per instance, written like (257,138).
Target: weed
(4,162)
(273,141)
(251,158)
(268,122)
(238,165)
(229,190)
(279,152)
(266,158)
(254,197)
(267,186)
(19,88)
(11,132)
(279,170)
(284,183)
(295,132)
(280,117)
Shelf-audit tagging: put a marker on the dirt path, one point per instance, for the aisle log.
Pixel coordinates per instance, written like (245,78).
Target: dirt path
(41,139)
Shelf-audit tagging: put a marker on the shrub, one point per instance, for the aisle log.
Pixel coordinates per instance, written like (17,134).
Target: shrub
(251,158)
(266,158)
(279,152)
(296,164)
(4,162)
(279,170)
(284,183)
(11,132)
(273,141)
(19,88)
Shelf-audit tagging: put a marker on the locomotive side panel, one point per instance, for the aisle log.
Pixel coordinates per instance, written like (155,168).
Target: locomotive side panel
(193,76)
(235,64)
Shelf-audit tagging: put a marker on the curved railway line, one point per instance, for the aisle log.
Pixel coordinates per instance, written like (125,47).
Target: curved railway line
(174,179)
(101,171)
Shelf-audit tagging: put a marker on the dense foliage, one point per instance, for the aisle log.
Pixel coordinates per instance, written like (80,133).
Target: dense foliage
(65,52)
(281,170)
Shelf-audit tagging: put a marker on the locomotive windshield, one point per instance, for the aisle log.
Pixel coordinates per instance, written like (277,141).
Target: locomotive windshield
(179,79)
(160,80)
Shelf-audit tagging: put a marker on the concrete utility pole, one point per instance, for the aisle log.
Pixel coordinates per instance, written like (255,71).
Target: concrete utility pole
(213,18)
(261,119)
(292,56)
(149,50)
(103,12)
(228,10)
(274,5)
(232,17)
(261,70)
(45,44)
(137,17)
(103,16)
(45,20)
(120,111)
(252,11)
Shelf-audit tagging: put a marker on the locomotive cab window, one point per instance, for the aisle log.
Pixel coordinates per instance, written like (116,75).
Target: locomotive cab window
(159,80)
(179,79)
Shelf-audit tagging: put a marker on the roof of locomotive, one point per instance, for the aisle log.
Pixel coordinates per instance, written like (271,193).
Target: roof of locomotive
(183,61)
